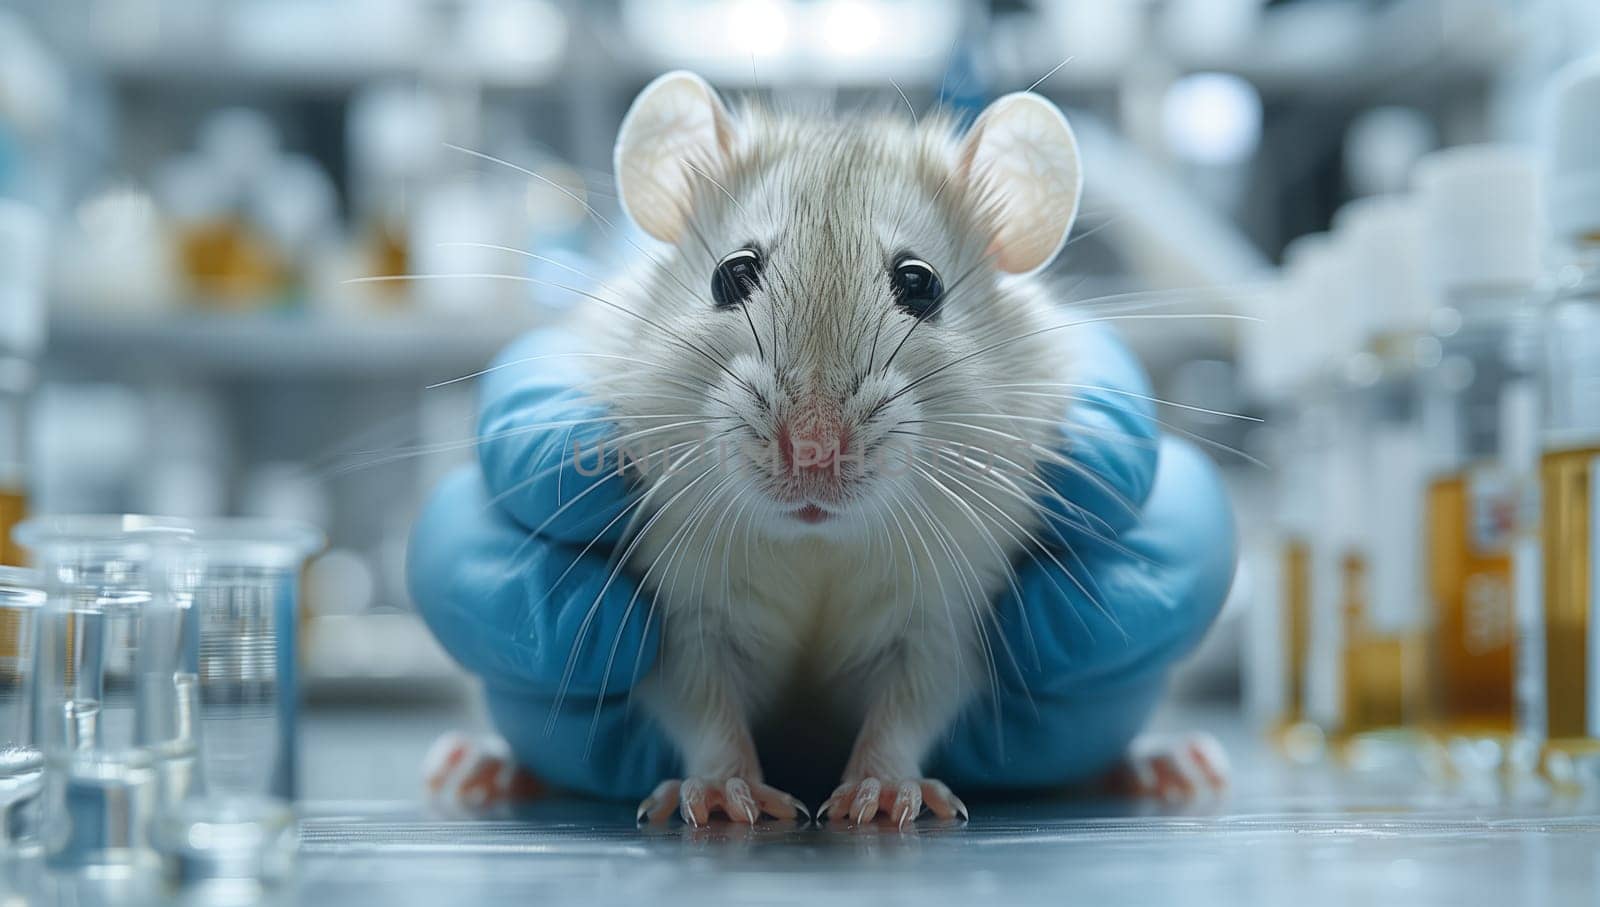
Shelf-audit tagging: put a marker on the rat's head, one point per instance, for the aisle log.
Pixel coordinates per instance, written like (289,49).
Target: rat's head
(834,302)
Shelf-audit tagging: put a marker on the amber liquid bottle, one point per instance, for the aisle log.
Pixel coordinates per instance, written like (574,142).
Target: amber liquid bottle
(1570,481)
(1295,603)
(1479,414)
(1291,728)
(1564,701)
(16,382)
(229,265)
(1332,549)
(1382,592)
(1569,498)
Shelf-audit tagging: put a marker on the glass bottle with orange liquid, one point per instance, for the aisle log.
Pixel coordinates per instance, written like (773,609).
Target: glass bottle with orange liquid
(1383,616)
(1358,672)
(1568,698)
(1481,258)
(1315,558)
(22,267)
(1274,358)
(1334,556)
(1294,732)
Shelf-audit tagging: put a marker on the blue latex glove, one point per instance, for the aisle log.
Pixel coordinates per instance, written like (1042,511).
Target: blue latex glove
(1149,546)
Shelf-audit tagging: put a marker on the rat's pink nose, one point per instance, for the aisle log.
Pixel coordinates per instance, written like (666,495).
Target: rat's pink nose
(812,442)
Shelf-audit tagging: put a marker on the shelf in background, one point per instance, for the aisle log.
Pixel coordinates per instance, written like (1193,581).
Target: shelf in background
(271,344)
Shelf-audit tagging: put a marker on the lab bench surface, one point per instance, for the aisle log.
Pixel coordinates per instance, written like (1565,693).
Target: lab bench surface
(1018,853)
(1282,835)
(1296,835)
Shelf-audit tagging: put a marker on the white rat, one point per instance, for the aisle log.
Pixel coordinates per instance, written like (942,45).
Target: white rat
(836,479)
(839,297)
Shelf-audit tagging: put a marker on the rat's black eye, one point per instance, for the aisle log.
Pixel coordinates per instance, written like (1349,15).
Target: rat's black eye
(917,287)
(735,277)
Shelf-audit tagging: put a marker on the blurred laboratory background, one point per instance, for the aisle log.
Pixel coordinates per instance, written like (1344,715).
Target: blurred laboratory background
(199,200)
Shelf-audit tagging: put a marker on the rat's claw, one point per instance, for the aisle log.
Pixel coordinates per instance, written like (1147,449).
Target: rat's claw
(662,802)
(694,802)
(825,811)
(738,802)
(907,804)
(865,805)
(943,803)
(778,804)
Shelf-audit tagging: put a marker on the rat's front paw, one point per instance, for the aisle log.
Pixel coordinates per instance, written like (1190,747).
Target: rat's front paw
(902,800)
(738,799)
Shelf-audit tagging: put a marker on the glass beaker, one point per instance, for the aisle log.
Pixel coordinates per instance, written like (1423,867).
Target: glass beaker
(242,579)
(114,684)
(21,763)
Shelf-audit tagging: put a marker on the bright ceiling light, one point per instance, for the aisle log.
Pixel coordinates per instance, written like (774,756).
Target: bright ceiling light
(759,27)
(851,27)
(1211,118)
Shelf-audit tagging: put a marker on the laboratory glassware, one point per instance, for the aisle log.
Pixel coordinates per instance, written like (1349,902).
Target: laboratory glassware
(1481,258)
(114,684)
(1566,705)
(1333,544)
(21,763)
(243,578)
(1385,627)
(1275,365)
(22,265)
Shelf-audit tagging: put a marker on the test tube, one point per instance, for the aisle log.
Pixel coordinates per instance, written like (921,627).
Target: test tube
(111,680)
(21,764)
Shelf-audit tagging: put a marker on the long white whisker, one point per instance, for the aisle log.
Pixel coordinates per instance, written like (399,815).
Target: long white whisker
(988,536)
(525,254)
(1053,70)
(1022,386)
(1163,316)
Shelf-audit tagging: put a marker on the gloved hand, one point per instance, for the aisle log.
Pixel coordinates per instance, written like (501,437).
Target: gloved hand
(509,563)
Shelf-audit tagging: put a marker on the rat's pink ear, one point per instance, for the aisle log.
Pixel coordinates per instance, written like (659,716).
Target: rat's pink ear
(1020,161)
(675,125)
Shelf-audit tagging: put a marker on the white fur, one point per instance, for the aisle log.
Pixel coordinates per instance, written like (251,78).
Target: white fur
(878,609)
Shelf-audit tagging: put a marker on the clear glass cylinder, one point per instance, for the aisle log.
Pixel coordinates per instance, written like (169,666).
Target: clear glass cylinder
(243,580)
(21,763)
(114,683)
(244,577)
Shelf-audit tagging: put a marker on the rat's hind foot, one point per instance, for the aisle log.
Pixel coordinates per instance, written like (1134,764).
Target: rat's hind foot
(696,799)
(1172,767)
(902,801)
(475,773)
